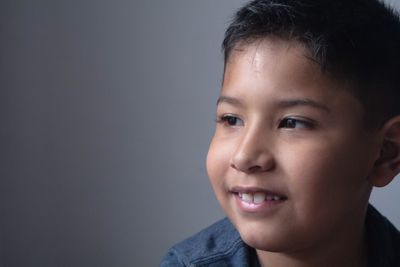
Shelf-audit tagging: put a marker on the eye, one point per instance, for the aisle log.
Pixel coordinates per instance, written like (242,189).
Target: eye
(230,120)
(293,123)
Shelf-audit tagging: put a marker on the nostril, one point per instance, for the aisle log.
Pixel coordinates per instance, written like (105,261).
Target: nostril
(249,169)
(240,167)
(253,169)
(252,160)
(233,166)
(242,161)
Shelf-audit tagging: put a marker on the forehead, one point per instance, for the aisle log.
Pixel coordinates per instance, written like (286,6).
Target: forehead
(274,54)
(273,62)
(274,70)
(275,45)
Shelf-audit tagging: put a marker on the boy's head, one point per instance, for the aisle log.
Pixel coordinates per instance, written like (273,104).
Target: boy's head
(306,122)
(356,42)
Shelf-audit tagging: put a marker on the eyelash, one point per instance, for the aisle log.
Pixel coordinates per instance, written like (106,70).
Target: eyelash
(228,120)
(305,124)
(288,123)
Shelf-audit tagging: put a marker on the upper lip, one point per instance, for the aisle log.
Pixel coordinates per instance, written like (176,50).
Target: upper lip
(252,190)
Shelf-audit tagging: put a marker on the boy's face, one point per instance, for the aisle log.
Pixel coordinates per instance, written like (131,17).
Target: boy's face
(290,159)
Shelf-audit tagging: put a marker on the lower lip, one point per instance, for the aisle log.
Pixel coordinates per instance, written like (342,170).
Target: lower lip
(266,206)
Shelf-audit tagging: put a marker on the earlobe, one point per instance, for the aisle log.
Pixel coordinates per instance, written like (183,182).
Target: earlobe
(387,166)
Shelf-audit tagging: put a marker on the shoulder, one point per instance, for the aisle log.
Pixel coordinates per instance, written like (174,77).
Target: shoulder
(383,240)
(217,244)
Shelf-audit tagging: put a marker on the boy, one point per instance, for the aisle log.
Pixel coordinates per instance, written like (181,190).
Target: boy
(308,122)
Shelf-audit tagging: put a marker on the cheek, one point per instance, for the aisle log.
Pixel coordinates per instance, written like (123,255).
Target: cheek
(318,174)
(306,172)
(217,168)
(217,162)
(320,159)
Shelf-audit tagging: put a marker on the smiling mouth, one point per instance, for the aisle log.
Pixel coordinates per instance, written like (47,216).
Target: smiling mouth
(257,196)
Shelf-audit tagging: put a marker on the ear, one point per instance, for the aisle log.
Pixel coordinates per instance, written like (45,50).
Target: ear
(387,166)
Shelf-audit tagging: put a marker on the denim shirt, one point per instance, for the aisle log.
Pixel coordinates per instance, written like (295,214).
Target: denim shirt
(220,245)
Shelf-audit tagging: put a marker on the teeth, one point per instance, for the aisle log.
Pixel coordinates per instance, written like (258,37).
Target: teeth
(258,198)
(248,198)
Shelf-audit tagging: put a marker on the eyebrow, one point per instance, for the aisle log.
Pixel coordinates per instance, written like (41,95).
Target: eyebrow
(285,103)
(229,100)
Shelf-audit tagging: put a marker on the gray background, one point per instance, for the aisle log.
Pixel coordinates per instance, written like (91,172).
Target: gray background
(107,109)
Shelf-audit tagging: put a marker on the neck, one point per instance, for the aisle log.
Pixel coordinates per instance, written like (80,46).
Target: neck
(349,249)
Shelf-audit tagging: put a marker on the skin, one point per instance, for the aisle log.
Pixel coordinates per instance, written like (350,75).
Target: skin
(284,126)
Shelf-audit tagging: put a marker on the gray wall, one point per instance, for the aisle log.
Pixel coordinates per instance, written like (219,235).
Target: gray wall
(107,109)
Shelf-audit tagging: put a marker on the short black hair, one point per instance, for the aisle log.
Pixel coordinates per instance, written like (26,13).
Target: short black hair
(357,41)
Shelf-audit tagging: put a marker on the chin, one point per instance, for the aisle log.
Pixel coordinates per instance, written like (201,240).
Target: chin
(263,240)
(258,244)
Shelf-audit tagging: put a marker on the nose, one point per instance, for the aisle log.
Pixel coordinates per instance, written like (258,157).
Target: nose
(253,154)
